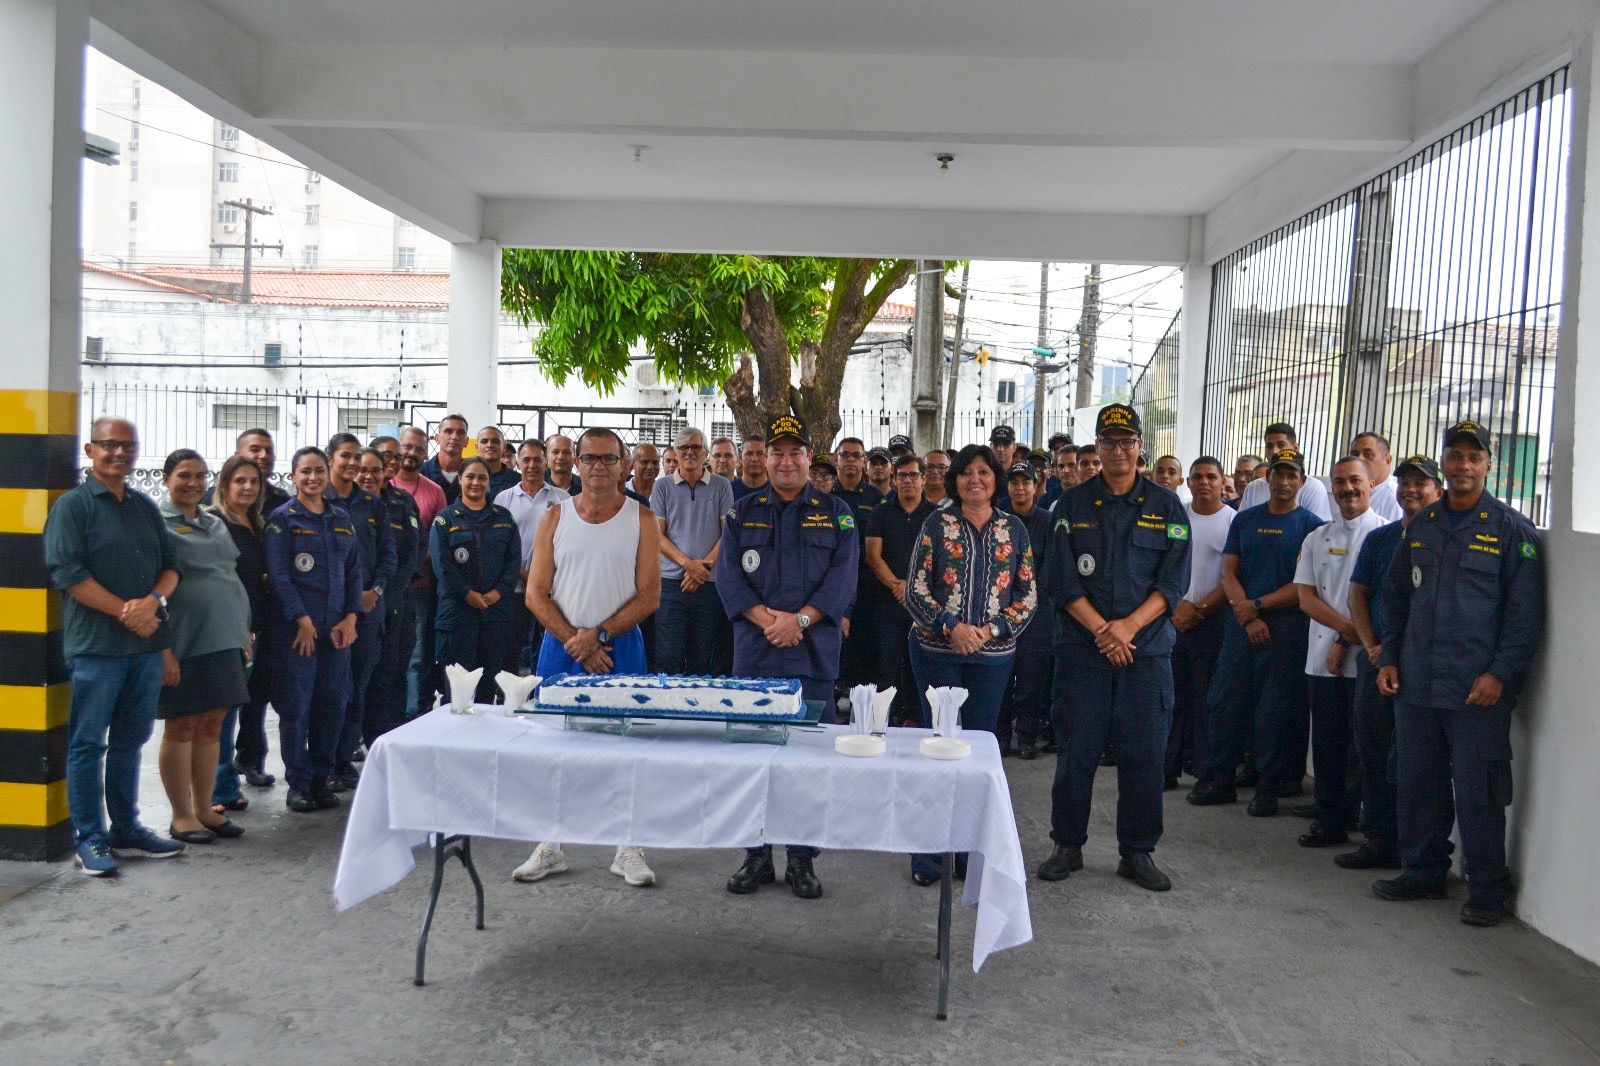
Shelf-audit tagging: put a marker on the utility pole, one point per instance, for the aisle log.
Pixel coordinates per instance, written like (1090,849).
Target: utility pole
(250,212)
(927,354)
(1041,355)
(1088,328)
(955,362)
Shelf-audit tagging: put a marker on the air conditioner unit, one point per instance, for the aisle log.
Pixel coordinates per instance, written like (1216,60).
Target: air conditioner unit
(94,349)
(229,227)
(646,376)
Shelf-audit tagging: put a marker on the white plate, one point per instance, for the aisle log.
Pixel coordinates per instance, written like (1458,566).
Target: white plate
(945,748)
(859,745)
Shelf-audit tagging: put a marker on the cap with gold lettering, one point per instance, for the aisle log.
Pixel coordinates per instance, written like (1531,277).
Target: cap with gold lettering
(790,427)
(1117,416)
(1470,429)
(1420,464)
(1288,457)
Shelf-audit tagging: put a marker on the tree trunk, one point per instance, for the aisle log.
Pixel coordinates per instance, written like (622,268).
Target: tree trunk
(740,390)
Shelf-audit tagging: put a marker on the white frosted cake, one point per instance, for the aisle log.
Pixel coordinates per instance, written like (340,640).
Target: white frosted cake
(673,696)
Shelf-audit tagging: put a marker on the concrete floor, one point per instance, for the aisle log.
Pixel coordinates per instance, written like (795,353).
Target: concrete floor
(1263,953)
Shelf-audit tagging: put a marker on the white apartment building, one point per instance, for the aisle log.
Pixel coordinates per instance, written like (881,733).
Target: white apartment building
(168,201)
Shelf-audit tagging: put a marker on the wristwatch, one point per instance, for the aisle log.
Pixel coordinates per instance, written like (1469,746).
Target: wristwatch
(994,630)
(602,636)
(161,608)
(1256,603)
(378,591)
(802,620)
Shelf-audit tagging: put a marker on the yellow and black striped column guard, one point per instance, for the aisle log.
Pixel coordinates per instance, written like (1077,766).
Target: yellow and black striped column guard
(38,462)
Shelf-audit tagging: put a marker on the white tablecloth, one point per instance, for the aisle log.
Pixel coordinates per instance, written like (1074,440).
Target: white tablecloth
(487,775)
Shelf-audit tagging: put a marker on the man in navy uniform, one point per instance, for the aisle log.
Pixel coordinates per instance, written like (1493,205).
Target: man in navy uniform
(1259,683)
(1463,612)
(786,572)
(1119,562)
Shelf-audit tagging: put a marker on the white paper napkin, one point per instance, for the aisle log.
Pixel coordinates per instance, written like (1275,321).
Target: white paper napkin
(861,697)
(880,709)
(463,686)
(945,703)
(516,689)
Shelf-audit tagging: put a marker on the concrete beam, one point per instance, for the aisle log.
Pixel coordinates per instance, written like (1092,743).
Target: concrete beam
(788,230)
(1086,102)
(373,164)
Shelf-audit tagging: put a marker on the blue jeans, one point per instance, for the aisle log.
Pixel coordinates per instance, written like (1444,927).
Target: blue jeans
(226,788)
(687,626)
(985,679)
(113,710)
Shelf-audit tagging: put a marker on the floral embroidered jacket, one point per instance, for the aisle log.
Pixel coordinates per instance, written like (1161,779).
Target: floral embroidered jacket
(960,573)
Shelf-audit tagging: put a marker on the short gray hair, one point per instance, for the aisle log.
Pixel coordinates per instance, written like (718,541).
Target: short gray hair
(686,434)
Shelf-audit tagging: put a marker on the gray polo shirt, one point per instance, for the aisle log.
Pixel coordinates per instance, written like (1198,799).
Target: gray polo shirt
(691,515)
(210,608)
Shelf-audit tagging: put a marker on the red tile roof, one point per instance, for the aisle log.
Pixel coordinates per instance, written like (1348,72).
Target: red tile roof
(321,288)
(140,279)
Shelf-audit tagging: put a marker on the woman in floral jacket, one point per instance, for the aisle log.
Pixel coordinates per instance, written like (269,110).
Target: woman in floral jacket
(970,591)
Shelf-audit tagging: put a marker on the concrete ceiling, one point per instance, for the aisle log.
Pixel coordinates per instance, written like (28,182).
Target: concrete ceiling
(1082,129)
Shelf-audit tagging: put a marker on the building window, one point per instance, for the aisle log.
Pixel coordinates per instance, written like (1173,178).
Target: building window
(272,353)
(238,417)
(405,258)
(313,178)
(133,171)
(133,132)
(227,172)
(403,223)
(138,91)
(1006,392)
(313,214)
(364,421)
(133,210)
(227,213)
(133,253)
(227,133)
(94,349)
(723,429)
(308,256)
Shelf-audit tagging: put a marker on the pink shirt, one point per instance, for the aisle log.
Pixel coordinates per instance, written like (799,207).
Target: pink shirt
(430,501)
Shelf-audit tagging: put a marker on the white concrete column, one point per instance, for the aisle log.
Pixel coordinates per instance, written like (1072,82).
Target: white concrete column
(41,126)
(472,384)
(1194,329)
(1575,496)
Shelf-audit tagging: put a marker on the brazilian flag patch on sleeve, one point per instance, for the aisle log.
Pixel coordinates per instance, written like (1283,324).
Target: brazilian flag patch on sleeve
(847,521)
(1528,550)
(1177,531)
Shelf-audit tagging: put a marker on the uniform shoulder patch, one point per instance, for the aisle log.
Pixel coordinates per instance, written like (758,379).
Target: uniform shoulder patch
(847,521)
(440,520)
(1177,531)
(1528,550)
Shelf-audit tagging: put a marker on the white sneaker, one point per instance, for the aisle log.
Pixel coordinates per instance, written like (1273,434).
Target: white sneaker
(630,866)
(544,861)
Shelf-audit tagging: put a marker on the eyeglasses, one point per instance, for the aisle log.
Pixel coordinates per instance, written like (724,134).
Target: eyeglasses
(129,446)
(1127,444)
(604,460)
(912,476)
(938,466)
(691,448)
(389,457)
(851,455)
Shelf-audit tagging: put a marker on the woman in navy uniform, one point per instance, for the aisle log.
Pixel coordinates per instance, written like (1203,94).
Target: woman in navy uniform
(315,575)
(786,572)
(376,551)
(477,554)
(386,699)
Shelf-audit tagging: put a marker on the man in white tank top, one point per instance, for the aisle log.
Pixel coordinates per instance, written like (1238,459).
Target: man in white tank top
(591,603)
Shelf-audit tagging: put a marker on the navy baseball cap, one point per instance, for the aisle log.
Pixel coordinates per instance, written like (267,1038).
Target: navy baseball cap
(1420,464)
(1118,416)
(788,426)
(1470,429)
(1023,469)
(1288,457)
(1003,435)
(899,440)
(878,455)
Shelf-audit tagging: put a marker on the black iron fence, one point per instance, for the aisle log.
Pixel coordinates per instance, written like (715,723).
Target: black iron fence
(1429,294)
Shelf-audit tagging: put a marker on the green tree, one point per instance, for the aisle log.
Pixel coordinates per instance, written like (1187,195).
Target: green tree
(738,322)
